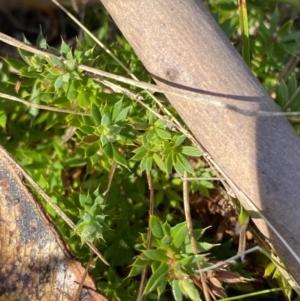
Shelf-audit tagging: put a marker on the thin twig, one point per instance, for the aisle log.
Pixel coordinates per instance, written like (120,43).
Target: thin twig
(192,96)
(255,294)
(151,197)
(292,98)
(41,192)
(80,286)
(187,212)
(200,179)
(241,231)
(42,107)
(149,237)
(233,258)
(110,178)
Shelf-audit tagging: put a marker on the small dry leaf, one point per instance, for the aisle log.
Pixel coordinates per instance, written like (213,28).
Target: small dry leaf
(230,277)
(215,286)
(197,282)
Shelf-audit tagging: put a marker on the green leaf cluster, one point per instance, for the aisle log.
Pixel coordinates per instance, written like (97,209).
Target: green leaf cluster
(92,218)
(171,259)
(163,148)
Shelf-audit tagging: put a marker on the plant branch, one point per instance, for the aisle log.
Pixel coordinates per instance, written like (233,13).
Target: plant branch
(107,50)
(91,260)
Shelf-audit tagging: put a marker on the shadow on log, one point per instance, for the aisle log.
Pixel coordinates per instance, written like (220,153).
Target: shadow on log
(181,45)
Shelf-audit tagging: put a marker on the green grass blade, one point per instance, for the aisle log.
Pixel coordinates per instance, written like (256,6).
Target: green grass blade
(244,30)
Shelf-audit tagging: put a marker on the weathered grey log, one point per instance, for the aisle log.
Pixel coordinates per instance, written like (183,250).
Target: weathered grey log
(181,45)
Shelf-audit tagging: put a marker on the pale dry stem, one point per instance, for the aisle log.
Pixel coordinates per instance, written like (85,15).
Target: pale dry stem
(187,212)
(149,237)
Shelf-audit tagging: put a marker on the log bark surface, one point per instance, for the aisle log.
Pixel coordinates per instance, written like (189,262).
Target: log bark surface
(35,264)
(182,46)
